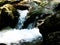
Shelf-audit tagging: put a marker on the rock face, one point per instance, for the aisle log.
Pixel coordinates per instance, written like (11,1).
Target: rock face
(8,16)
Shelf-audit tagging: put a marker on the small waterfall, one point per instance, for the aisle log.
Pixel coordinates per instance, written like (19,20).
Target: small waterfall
(21,36)
(22,19)
(23,14)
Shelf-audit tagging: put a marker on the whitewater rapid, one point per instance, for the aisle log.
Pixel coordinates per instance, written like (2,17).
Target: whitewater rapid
(15,35)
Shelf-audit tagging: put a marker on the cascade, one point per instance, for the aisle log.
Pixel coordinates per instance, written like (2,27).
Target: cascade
(19,36)
(23,14)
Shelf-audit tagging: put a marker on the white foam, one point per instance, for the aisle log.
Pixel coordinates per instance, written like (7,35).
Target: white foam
(15,35)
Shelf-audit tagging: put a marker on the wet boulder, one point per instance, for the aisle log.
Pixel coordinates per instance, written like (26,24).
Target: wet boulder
(8,16)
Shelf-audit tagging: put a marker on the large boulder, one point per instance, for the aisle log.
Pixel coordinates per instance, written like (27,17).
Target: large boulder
(8,16)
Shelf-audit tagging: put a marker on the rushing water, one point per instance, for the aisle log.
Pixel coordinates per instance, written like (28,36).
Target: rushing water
(18,35)
(22,19)
(23,14)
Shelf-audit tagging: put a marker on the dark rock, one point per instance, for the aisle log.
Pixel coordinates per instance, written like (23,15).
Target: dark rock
(21,7)
(51,24)
(54,38)
(8,16)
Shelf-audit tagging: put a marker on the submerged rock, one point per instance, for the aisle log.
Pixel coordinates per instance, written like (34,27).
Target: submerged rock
(8,16)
